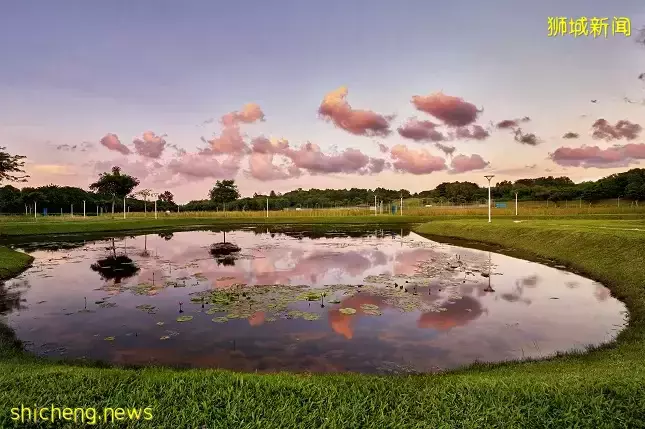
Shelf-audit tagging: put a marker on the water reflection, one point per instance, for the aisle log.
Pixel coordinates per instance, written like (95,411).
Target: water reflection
(11,296)
(393,302)
(117,267)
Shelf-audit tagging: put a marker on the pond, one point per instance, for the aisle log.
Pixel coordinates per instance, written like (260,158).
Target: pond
(291,299)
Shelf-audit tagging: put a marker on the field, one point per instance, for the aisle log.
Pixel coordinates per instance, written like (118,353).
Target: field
(603,388)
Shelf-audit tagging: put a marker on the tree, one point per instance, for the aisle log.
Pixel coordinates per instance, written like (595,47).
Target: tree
(224,191)
(115,184)
(145,193)
(10,164)
(167,196)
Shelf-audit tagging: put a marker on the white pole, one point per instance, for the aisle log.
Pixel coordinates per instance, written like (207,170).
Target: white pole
(489,178)
(35,209)
(155,208)
(374,205)
(401,206)
(123,207)
(97,210)
(516,204)
(71,210)
(83,208)
(267,207)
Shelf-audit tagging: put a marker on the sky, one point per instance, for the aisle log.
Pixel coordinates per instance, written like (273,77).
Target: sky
(336,94)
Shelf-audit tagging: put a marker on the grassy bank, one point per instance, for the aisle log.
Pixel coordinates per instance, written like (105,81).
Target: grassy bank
(604,388)
(12,263)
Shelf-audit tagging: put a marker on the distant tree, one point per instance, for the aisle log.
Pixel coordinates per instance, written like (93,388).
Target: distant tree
(272,194)
(224,191)
(115,184)
(167,196)
(10,164)
(145,193)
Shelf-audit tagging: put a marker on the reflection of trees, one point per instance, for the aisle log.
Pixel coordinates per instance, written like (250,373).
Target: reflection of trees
(227,261)
(11,296)
(325,232)
(166,235)
(51,246)
(115,267)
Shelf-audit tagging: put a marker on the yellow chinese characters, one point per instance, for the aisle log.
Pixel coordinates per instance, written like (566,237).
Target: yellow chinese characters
(588,26)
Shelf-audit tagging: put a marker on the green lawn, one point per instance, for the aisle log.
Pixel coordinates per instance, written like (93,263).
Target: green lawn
(604,388)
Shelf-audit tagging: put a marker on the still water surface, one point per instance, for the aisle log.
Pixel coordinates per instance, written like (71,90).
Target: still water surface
(373,302)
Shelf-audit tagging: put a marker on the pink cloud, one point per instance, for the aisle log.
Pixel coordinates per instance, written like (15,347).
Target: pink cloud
(229,141)
(415,161)
(452,111)
(448,150)
(250,113)
(309,157)
(335,107)
(476,132)
(529,139)
(593,156)
(150,146)
(463,163)
(623,129)
(420,131)
(506,124)
(112,142)
(195,167)
(264,145)
(261,167)
(511,123)
(570,135)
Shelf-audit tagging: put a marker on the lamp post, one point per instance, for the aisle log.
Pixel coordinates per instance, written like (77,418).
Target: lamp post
(516,204)
(489,177)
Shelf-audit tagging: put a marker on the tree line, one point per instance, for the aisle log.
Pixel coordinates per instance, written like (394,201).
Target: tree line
(108,192)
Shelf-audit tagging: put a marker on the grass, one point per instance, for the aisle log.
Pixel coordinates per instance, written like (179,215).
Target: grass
(12,263)
(603,388)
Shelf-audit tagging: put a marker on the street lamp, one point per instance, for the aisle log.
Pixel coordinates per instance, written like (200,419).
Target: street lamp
(489,177)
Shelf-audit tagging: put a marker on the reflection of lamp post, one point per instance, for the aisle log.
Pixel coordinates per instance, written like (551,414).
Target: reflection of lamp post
(489,177)
(489,288)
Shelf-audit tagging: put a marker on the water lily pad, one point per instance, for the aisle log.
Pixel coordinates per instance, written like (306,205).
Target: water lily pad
(311,316)
(109,338)
(220,319)
(368,307)
(348,310)
(310,296)
(334,301)
(200,276)
(147,308)
(184,318)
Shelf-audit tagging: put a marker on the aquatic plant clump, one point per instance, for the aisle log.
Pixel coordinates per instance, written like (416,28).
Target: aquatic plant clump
(184,318)
(150,309)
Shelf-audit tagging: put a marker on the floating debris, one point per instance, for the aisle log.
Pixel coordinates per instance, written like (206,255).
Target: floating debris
(160,323)
(107,304)
(150,309)
(165,337)
(109,338)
